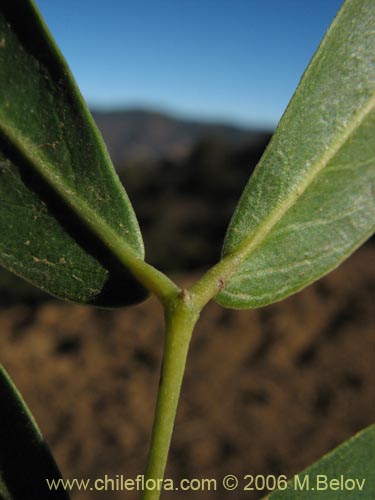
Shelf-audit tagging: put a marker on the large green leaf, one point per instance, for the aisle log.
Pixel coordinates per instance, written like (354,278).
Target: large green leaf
(25,460)
(311,201)
(62,204)
(347,473)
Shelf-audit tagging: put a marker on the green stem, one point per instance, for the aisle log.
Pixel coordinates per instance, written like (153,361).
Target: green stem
(213,281)
(182,310)
(181,314)
(181,318)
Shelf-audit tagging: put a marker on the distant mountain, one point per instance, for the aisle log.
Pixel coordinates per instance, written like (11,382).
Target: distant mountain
(137,135)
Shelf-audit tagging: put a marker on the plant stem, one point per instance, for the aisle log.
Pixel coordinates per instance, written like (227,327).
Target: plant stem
(182,308)
(180,319)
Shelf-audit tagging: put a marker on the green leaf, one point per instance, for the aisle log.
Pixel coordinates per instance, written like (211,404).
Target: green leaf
(310,202)
(25,460)
(347,473)
(63,211)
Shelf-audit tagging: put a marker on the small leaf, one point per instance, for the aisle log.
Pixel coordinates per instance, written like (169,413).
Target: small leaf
(61,203)
(25,460)
(347,473)
(310,202)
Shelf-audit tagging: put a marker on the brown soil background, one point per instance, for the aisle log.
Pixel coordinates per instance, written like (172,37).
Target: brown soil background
(266,391)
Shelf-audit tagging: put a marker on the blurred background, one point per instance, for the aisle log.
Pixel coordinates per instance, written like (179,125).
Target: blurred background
(187,95)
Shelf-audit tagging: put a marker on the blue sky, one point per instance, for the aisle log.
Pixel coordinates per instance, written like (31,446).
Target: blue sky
(232,60)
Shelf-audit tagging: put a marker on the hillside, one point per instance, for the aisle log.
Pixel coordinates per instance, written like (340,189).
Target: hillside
(137,135)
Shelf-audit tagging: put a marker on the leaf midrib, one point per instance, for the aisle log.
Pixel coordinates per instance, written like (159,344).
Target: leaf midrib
(4,492)
(152,279)
(252,241)
(55,181)
(216,278)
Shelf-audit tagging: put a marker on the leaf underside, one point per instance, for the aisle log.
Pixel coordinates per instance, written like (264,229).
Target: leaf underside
(311,200)
(351,461)
(25,460)
(55,174)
